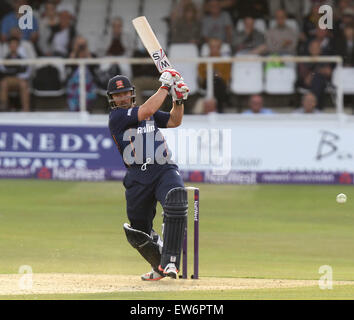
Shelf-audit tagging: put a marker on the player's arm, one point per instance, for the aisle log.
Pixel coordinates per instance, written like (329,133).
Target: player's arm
(154,103)
(179,92)
(176,115)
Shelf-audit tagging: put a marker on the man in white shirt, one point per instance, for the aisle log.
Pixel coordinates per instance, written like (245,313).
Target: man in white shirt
(62,39)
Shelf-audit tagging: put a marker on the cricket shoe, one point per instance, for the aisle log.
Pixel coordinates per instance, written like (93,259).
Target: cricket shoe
(152,276)
(170,270)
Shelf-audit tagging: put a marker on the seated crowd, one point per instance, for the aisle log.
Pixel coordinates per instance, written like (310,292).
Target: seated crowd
(255,27)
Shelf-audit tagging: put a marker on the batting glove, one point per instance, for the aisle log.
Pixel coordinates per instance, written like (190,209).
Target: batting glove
(168,78)
(179,92)
(177,76)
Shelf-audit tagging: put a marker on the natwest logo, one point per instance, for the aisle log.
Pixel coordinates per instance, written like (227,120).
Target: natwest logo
(196,176)
(44,173)
(345,178)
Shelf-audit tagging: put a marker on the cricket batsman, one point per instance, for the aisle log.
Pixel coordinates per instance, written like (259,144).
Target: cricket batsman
(151,175)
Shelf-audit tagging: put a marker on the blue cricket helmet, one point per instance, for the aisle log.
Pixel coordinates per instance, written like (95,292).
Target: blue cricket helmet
(119,84)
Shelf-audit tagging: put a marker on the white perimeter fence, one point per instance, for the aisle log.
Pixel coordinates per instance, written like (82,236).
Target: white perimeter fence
(209,61)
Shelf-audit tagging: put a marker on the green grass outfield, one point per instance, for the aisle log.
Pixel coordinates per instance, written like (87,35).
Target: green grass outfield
(266,232)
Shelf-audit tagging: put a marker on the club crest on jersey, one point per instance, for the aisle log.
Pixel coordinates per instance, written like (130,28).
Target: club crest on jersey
(119,84)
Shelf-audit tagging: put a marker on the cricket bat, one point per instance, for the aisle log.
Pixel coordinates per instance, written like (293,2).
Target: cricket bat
(150,42)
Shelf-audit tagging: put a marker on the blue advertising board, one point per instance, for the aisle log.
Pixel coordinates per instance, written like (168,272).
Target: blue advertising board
(88,153)
(59,153)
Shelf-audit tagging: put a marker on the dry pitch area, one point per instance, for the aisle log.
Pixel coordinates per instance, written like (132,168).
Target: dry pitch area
(64,283)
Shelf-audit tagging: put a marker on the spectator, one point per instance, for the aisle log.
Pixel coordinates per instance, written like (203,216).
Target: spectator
(315,76)
(258,9)
(5,8)
(222,75)
(80,50)
(344,16)
(231,7)
(255,104)
(209,106)
(187,28)
(324,37)
(120,43)
(281,40)
(41,5)
(348,17)
(217,24)
(249,40)
(346,20)
(64,34)
(293,8)
(26,48)
(342,10)
(48,23)
(15,78)
(205,106)
(117,43)
(11,20)
(346,46)
(177,11)
(310,23)
(309,102)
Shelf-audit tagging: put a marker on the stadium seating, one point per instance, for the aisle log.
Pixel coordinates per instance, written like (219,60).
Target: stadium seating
(127,10)
(91,21)
(189,70)
(280,80)
(157,9)
(48,80)
(246,77)
(346,78)
(156,12)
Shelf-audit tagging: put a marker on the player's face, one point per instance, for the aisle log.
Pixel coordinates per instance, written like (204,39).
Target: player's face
(122,99)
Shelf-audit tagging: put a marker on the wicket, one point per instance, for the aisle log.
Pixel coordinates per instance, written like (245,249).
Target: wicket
(195,274)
